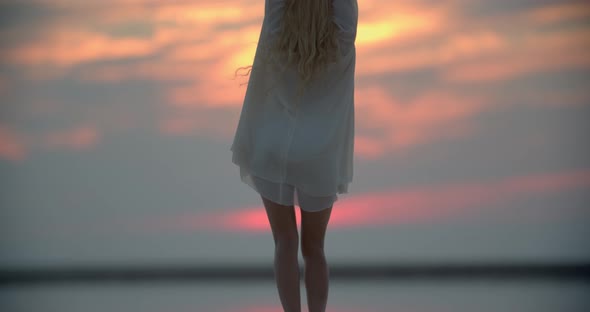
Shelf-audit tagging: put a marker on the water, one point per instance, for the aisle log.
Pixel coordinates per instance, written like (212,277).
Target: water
(367,296)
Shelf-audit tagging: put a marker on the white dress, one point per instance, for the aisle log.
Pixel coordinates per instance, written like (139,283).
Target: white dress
(308,147)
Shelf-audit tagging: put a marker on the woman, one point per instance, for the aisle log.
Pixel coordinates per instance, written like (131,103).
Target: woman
(294,141)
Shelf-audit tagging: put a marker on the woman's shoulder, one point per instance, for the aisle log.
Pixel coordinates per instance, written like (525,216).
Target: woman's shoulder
(346,15)
(346,7)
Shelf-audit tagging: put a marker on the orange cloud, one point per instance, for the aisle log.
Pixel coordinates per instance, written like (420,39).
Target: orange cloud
(537,52)
(211,93)
(206,12)
(191,52)
(405,23)
(178,12)
(155,71)
(195,42)
(456,48)
(230,49)
(69,41)
(71,47)
(396,206)
(485,51)
(208,64)
(384,28)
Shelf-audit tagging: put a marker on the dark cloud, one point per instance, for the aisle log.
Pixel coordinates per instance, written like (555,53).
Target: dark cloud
(486,8)
(24,19)
(134,29)
(18,13)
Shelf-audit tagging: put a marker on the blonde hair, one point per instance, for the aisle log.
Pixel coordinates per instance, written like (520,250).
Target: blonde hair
(307,40)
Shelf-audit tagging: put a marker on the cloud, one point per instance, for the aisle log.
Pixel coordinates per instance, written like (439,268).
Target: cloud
(13,146)
(384,124)
(3,85)
(433,115)
(192,48)
(194,124)
(83,33)
(396,24)
(369,147)
(560,12)
(531,53)
(80,138)
(387,208)
(71,47)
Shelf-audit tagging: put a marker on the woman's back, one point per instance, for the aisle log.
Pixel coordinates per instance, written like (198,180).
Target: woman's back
(309,145)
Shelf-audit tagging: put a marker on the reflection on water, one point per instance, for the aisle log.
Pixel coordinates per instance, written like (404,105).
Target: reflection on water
(367,296)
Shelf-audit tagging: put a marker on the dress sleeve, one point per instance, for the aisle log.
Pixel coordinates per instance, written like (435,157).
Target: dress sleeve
(346,18)
(273,11)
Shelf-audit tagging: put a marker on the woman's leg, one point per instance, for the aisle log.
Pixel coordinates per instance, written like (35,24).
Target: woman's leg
(284,230)
(313,231)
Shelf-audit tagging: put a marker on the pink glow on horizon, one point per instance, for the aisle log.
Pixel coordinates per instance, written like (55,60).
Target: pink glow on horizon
(398,206)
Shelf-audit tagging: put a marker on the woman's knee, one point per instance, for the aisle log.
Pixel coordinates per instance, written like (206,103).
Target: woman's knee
(287,245)
(312,249)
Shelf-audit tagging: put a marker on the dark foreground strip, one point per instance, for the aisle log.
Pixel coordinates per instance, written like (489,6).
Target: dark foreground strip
(576,271)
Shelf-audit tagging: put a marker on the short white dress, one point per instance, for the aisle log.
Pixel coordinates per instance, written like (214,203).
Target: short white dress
(299,153)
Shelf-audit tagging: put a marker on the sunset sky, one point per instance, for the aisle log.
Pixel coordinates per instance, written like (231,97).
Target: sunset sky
(117,118)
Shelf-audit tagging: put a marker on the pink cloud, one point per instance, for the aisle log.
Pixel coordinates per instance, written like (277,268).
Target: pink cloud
(433,115)
(211,93)
(561,12)
(418,204)
(188,46)
(217,53)
(430,116)
(194,124)
(3,85)
(80,138)
(368,147)
(454,48)
(12,145)
(154,71)
(70,41)
(398,22)
(533,53)
(67,47)
(384,28)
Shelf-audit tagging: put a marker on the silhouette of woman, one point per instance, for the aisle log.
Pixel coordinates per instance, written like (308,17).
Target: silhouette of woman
(294,141)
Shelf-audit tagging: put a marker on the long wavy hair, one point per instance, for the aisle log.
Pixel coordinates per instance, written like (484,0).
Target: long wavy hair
(307,40)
